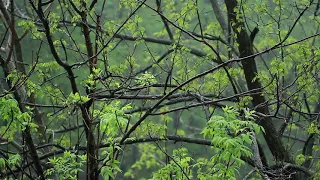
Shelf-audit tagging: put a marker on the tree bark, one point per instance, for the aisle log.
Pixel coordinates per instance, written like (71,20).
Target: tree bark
(250,71)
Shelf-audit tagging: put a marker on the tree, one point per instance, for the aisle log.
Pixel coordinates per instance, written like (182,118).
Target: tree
(159,89)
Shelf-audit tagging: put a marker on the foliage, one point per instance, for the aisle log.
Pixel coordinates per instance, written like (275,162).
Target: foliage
(230,138)
(160,89)
(66,166)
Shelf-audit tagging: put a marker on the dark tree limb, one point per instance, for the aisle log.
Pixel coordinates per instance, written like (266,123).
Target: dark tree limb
(250,70)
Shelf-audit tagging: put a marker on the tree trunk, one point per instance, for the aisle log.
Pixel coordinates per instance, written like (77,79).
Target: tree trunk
(250,71)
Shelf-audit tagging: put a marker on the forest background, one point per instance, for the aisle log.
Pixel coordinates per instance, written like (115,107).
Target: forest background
(159,89)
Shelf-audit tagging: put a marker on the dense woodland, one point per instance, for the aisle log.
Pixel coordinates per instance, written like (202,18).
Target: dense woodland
(159,89)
